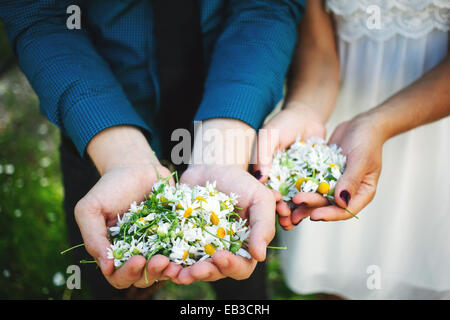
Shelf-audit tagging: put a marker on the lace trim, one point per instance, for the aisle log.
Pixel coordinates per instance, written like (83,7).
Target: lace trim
(346,7)
(412,19)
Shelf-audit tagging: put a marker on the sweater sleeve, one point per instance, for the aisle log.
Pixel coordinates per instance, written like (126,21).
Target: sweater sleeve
(75,85)
(250,60)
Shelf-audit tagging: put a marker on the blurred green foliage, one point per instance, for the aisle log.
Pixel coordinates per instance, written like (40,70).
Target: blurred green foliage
(31,215)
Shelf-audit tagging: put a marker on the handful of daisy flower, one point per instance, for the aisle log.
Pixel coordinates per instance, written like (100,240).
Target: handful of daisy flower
(311,166)
(183,223)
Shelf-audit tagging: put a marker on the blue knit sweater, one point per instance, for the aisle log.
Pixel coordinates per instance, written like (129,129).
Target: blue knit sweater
(105,74)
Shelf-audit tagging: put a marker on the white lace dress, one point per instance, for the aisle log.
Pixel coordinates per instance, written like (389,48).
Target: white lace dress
(400,246)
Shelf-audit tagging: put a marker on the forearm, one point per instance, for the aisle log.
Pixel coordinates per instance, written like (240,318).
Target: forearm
(314,74)
(250,60)
(120,146)
(76,87)
(424,101)
(222,142)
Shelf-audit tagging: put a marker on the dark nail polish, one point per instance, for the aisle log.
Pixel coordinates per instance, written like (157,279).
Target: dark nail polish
(257,174)
(345,195)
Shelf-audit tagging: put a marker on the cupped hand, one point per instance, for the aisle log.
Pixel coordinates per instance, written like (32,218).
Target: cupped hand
(258,206)
(113,194)
(362,142)
(296,120)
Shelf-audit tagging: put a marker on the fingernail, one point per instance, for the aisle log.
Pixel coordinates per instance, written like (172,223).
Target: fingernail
(316,220)
(295,224)
(345,195)
(257,174)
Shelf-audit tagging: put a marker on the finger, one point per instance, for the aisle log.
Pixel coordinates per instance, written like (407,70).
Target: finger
(334,213)
(184,276)
(128,273)
(262,223)
(285,222)
(348,184)
(277,195)
(155,267)
(268,141)
(299,214)
(93,230)
(206,271)
(283,209)
(233,266)
(172,270)
(310,199)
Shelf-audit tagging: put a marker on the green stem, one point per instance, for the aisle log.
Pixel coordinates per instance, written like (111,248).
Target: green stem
(74,247)
(88,261)
(278,248)
(332,201)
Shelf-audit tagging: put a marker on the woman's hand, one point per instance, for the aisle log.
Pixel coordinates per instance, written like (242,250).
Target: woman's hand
(361,140)
(296,120)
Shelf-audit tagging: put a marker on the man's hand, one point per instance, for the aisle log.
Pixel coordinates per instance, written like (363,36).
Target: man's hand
(128,168)
(227,156)
(258,206)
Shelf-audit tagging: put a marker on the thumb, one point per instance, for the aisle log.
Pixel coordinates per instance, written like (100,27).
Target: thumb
(93,230)
(350,181)
(267,144)
(262,223)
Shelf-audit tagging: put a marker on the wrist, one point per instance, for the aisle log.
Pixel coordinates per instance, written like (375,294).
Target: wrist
(120,146)
(223,142)
(305,111)
(376,122)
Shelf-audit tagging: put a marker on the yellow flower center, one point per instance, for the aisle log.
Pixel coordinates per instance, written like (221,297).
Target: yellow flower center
(221,232)
(200,198)
(185,255)
(323,188)
(299,182)
(335,165)
(188,212)
(209,249)
(214,219)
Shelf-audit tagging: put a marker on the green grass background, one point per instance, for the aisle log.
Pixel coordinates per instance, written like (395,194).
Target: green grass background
(33,229)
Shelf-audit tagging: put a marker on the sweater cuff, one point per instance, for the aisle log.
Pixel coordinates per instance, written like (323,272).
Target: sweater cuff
(90,116)
(228,100)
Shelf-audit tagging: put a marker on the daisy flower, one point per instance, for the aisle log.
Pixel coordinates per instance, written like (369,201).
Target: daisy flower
(186,224)
(311,166)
